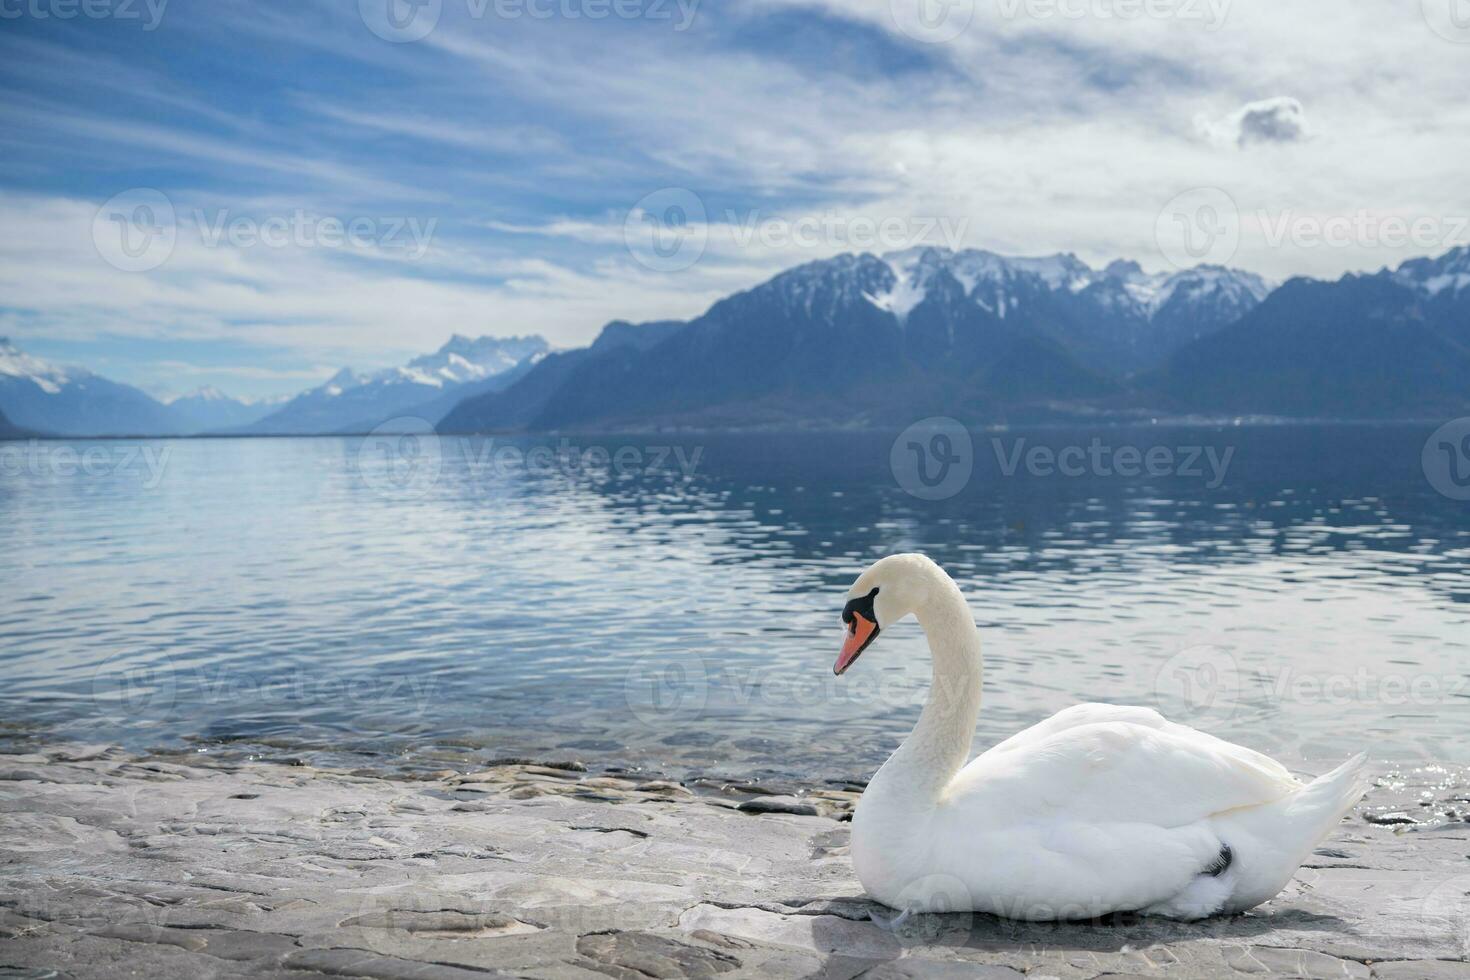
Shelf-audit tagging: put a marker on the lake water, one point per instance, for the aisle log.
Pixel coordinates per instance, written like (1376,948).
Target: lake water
(412,601)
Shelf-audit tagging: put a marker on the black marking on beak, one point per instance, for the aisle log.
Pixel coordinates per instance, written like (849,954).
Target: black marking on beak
(863,605)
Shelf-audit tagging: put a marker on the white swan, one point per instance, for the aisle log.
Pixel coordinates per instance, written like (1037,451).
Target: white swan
(1098,809)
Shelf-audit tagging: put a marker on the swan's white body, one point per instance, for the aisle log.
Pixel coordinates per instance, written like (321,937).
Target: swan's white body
(1098,809)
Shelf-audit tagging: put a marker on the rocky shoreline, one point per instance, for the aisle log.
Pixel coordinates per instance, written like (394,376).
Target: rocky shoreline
(114,865)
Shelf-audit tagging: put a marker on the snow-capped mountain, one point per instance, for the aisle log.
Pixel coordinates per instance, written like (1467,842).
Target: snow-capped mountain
(353,402)
(1443,287)
(1120,319)
(843,338)
(884,340)
(207,409)
(1447,275)
(463,359)
(1364,347)
(38,395)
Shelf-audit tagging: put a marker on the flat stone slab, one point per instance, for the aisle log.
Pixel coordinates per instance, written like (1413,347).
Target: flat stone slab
(116,865)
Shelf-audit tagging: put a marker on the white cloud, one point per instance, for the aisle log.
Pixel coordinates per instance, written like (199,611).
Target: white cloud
(1278,120)
(325,305)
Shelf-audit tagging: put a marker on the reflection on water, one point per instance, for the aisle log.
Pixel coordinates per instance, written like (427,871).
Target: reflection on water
(406,598)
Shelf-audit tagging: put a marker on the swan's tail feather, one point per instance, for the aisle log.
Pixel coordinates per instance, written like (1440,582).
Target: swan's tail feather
(1325,800)
(1275,839)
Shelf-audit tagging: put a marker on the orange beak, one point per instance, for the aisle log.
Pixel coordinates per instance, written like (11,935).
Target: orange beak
(860,634)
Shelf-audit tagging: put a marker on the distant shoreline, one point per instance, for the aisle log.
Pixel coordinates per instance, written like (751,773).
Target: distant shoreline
(1182,422)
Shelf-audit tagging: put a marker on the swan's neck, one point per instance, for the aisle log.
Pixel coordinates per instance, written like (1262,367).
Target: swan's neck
(939,745)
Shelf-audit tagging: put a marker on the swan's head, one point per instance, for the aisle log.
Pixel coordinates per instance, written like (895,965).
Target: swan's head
(889,590)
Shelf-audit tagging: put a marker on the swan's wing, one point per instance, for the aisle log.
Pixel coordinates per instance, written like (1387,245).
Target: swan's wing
(1101,772)
(1079,715)
(1102,807)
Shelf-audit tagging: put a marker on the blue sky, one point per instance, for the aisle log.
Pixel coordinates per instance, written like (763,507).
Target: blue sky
(490,166)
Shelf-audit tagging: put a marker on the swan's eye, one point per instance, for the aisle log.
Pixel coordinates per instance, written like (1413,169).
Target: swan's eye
(861,606)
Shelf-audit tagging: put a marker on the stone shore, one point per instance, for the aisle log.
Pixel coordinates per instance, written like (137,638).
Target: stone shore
(116,865)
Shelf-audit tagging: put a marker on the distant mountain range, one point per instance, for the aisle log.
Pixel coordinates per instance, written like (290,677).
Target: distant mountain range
(209,409)
(1382,346)
(864,339)
(38,396)
(427,387)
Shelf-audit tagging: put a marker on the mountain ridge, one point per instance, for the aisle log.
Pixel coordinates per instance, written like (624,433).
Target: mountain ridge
(353,402)
(863,339)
